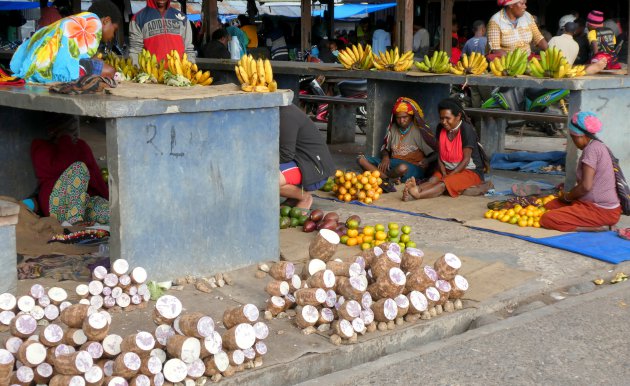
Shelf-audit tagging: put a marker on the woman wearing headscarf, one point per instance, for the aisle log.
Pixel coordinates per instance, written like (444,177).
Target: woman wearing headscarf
(409,145)
(593,204)
(460,165)
(235,32)
(513,27)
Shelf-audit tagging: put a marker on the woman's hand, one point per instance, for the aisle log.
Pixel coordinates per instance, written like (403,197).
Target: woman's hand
(383,167)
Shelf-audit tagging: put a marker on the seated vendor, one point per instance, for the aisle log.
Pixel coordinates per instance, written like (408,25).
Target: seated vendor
(408,147)
(71,187)
(460,165)
(305,162)
(593,204)
(64,50)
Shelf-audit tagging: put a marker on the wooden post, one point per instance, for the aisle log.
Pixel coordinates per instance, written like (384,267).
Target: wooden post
(404,25)
(211,16)
(306,25)
(331,19)
(446,25)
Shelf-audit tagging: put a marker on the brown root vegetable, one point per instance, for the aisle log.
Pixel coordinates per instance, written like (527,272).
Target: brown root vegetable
(160,354)
(295,283)
(358,325)
(25,303)
(312,266)
(195,324)
(331,298)
(322,279)
(51,312)
(51,335)
(421,279)
(120,267)
(275,305)
(82,291)
(282,270)
(196,369)
(310,296)
(260,348)
(7,360)
(162,333)
(42,373)
(167,309)
(99,273)
(74,315)
(368,316)
(139,275)
(22,376)
(67,380)
(385,310)
(13,344)
(417,302)
(217,363)
(96,301)
(111,345)
(96,287)
(411,259)
(140,380)
(343,328)
(54,352)
(23,326)
(127,364)
(140,343)
(236,357)
(447,266)
(326,316)
(403,305)
(349,310)
(6,317)
(8,302)
(94,376)
(183,347)
(382,264)
(241,337)
(116,381)
(339,268)
(277,288)
(211,345)
(289,301)
(57,295)
(96,327)
(444,288)
(247,313)
(433,296)
(150,366)
(306,316)
(175,370)
(95,349)
(352,288)
(111,280)
(324,246)
(74,364)
(261,330)
(459,285)
(31,353)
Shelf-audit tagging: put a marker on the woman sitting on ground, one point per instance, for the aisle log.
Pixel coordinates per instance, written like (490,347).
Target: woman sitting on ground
(460,164)
(71,187)
(63,51)
(593,204)
(409,145)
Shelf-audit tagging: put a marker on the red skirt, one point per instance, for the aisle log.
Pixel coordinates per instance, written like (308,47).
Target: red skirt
(566,217)
(458,182)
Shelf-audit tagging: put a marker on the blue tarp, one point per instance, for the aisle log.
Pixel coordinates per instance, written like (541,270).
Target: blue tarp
(529,162)
(17,5)
(349,11)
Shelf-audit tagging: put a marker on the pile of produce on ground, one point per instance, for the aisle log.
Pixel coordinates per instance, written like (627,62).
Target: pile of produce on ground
(371,236)
(527,215)
(255,75)
(291,217)
(378,289)
(364,187)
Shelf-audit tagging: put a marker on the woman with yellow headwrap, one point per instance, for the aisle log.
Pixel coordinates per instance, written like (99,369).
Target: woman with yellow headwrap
(408,147)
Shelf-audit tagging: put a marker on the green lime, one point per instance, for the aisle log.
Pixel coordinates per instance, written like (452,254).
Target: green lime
(294,222)
(285,211)
(302,220)
(285,222)
(296,213)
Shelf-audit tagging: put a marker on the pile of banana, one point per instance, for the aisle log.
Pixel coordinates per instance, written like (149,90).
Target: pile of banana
(439,63)
(392,60)
(553,64)
(357,58)
(512,64)
(575,71)
(475,64)
(151,71)
(255,75)
(184,68)
(124,66)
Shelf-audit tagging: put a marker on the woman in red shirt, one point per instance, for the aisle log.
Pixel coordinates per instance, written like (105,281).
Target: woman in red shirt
(460,165)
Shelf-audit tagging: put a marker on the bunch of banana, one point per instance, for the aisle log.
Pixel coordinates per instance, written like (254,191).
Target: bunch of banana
(392,60)
(474,64)
(439,63)
(575,71)
(149,64)
(552,64)
(512,64)
(177,80)
(182,66)
(124,66)
(255,75)
(356,58)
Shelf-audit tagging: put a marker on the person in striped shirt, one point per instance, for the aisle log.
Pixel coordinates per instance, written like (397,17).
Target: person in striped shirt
(513,27)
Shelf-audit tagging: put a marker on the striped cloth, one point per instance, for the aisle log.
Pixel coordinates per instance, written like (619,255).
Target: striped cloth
(503,35)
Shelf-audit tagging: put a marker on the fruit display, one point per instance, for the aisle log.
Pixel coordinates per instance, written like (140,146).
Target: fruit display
(356,58)
(475,64)
(328,185)
(292,217)
(363,187)
(370,236)
(512,64)
(181,71)
(123,66)
(553,64)
(439,63)
(255,75)
(391,60)
(523,216)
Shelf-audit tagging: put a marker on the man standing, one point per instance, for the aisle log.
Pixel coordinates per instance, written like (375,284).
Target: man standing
(566,43)
(479,42)
(421,41)
(217,47)
(381,39)
(582,40)
(160,29)
(305,162)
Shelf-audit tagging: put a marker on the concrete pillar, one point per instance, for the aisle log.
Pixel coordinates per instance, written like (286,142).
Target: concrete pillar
(342,121)
(492,136)
(8,255)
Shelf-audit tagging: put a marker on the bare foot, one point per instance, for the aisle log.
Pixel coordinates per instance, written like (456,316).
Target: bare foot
(305,203)
(407,194)
(411,182)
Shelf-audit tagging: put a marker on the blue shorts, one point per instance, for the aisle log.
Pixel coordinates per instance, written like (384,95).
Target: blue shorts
(412,170)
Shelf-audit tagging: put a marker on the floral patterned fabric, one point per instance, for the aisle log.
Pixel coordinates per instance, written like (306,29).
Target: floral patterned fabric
(53,53)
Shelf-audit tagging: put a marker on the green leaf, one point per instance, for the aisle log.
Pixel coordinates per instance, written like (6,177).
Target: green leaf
(74,48)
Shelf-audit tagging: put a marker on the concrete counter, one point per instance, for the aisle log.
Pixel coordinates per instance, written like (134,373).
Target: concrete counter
(190,180)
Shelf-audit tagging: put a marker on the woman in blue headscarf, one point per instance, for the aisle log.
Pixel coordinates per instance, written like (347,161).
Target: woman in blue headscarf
(243,40)
(593,204)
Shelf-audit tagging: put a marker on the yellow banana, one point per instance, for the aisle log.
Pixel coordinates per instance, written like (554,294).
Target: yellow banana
(247,87)
(273,86)
(244,75)
(260,67)
(268,71)
(207,82)
(261,89)
(253,72)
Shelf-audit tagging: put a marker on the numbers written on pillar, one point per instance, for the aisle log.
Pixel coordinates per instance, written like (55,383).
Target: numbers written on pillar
(153,139)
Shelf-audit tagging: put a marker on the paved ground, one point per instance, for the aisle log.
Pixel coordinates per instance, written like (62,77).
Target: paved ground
(578,341)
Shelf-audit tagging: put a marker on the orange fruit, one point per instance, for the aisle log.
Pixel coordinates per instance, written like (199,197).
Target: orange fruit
(379,191)
(367,187)
(376,196)
(359,186)
(379,181)
(347,185)
(361,195)
(368,200)
(380,235)
(522,222)
(536,224)
(367,173)
(366,246)
(368,230)
(342,190)
(352,241)
(348,176)
(347,197)
(376,174)
(338,173)
(368,238)
(360,239)
(495,215)
(352,191)
(372,180)
(342,180)
(352,232)
(488,214)
(370,193)
(340,197)
(364,180)
(335,188)
(530,222)
(505,218)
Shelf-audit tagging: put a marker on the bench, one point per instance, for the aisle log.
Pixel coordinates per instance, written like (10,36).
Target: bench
(494,123)
(342,118)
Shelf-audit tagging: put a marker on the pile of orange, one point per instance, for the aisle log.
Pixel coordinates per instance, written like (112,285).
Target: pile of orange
(363,187)
(371,236)
(528,216)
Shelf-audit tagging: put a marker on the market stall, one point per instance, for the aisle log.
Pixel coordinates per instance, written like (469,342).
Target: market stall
(188,170)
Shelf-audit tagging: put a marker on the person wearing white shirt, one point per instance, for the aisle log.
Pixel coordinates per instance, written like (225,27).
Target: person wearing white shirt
(381,39)
(421,41)
(566,43)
